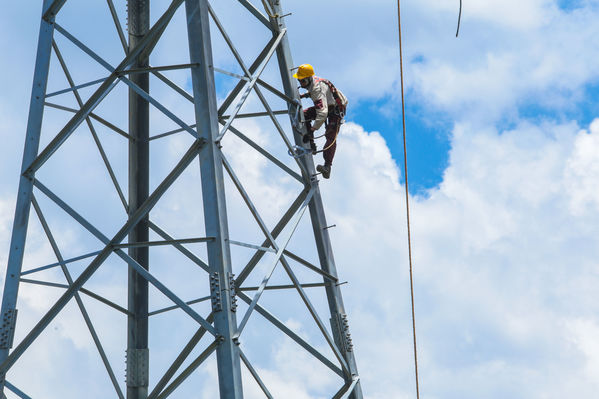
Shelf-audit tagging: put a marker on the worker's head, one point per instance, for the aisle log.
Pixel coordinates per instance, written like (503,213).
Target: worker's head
(304,75)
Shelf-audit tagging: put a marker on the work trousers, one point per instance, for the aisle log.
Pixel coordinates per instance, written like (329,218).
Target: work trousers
(332,125)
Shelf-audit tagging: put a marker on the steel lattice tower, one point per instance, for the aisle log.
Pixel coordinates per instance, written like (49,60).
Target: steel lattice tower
(88,109)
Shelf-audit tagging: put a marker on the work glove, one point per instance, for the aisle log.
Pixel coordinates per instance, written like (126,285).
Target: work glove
(305,95)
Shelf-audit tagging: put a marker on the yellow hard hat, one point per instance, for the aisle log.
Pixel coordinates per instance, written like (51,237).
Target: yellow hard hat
(304,71)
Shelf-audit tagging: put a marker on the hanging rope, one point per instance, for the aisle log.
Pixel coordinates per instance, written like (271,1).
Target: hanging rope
(330,145)
(459,18)
(405,152)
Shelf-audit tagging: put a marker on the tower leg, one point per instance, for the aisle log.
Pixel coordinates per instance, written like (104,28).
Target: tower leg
(23,207)
(139,166)
(215,215)
(339,322)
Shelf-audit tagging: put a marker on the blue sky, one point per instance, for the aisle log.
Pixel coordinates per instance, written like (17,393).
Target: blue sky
(503,142)
(427,139)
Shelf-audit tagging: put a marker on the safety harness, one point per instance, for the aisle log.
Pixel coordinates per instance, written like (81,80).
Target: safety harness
(336,97)
(299,151)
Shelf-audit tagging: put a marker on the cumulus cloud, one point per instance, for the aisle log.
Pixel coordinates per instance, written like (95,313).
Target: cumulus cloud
(583,170)
(503,264)
(504,249)
(502,62)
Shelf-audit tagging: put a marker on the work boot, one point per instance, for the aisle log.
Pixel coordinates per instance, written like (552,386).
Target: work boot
(325,170)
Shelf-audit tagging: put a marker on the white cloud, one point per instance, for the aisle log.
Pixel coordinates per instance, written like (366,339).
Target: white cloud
(503,266)
(504,249)
(582,333)
(500,62)
(582,171)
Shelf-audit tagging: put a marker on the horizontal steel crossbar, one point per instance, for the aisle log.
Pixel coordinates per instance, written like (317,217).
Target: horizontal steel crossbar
(281,224)
(164,242)
(111,244)
(282,287)
(155,312)
(121,72)
(158,68)
(103,90)
(255,114)
(81,86)
(251,84)
(237,89)
(180,247)
(243,244)
(65,262)
(93,116)
(224,72)
(134,219)
(85,291)
(171,132)
(91,127)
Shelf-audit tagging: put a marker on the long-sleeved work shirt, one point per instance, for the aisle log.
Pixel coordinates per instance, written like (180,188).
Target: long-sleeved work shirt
(323,98)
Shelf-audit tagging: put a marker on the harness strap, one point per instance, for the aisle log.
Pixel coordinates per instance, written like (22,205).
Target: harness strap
(336,96)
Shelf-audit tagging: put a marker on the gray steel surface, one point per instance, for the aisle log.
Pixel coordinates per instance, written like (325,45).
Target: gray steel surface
(138,17)
(319,223)
(131,240)
(213,192)
(24,196)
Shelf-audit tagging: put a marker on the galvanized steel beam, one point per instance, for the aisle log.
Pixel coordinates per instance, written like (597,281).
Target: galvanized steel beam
(321,235)
(110,82)
(210,127)
(138,353)
(130,261)
(23,207)
(97,262)
(213,193)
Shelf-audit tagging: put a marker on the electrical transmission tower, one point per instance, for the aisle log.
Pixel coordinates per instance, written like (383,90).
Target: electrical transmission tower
(239,269)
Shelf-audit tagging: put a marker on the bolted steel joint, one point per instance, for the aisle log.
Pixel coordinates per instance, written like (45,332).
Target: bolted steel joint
(138,22)
(137,361)
(232,292)
(340,325)
(349,346)
(215,293)
(7,330)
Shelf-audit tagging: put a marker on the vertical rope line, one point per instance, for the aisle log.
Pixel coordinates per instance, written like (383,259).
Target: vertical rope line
(405,152)
(459,19)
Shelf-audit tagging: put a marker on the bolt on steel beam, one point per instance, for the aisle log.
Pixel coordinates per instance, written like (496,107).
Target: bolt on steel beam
(192,271)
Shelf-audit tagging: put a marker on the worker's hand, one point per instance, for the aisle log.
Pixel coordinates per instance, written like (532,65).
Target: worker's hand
(305,95)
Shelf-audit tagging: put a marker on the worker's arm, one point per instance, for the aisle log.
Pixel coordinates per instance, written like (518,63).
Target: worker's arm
(319,97)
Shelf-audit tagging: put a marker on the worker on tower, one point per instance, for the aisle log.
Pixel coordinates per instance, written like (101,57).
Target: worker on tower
(329,109)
